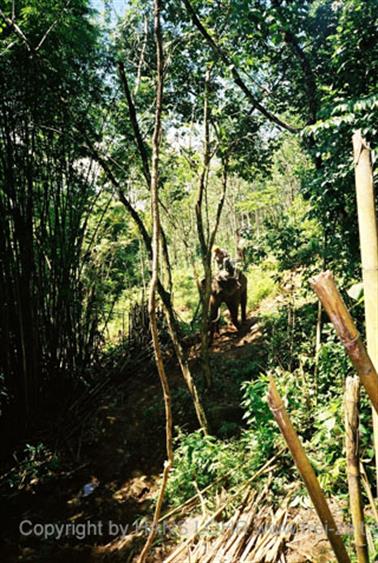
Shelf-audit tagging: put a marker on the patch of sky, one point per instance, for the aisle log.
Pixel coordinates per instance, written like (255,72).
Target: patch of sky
(113,8)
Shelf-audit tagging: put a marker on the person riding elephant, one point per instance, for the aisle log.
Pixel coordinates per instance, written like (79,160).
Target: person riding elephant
(232,292)
(226,264)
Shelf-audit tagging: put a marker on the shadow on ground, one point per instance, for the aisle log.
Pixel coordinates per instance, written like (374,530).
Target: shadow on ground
(119,455)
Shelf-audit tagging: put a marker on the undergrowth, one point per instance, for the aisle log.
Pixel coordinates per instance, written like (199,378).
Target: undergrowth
(312,390)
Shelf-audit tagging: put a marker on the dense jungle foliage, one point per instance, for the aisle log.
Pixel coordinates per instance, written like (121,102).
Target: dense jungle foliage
(260,101)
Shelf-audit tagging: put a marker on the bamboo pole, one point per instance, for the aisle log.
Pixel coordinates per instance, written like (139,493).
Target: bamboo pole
(367,224)
(325,287)
(301,461)
(352,392)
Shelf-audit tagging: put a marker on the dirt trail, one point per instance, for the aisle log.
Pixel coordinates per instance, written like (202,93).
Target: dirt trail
(121,454)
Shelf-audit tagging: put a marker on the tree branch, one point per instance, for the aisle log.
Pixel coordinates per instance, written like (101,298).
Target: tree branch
(220,203)
(141,59)
(235,74)
(134,122)
(142,152)
(308,75)
(18,31)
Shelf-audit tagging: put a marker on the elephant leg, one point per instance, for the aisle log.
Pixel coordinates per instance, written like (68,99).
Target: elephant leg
(214,329)
(243,303)
(214,321)
(233,307)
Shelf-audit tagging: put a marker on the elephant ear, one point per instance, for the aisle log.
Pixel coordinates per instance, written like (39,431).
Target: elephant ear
(222,277)
(227,284)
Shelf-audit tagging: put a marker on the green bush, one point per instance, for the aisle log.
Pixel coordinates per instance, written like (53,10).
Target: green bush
(263,430)
(200,460)
(260,285)
(37,465)
(185,294)
(327,446)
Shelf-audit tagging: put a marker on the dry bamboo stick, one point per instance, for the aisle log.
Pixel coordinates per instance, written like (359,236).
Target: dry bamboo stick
(249,512)
(279,523)
(325,287)
(233,524)
(219,511)
(269,541)
(221,478)
(368,231)
(215,549)
(255,541)
(321,506)
(352,390)
(212,550)
(229,540)
(202,527)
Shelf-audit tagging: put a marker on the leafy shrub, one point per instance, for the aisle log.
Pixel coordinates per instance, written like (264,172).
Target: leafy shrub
(291,346)
(185,292)
(200,460)
(293,238)
(259,418)
(196,463)
(260,285)
(327,444)
(37,465)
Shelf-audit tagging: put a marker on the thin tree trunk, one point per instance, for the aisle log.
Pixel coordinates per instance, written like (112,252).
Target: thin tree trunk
(155,276)
(205,251)
(367,222)
(164,295)
(142,57)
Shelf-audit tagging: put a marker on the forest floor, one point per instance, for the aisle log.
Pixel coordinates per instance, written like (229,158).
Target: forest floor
(121,457)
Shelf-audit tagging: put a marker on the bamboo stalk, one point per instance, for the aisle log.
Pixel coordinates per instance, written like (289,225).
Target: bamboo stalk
(367,225)
(352,392)
(325,287)
(301,461)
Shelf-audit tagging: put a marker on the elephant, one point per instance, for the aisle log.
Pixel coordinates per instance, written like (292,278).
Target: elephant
(232,292)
